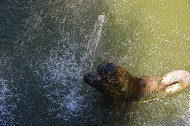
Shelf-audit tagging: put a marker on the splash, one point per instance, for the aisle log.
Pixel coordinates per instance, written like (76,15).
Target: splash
(5,107)
(94,41)
(64,73)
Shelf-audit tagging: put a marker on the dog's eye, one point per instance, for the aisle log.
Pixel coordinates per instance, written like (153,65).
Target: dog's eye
(106,68)
(112,76)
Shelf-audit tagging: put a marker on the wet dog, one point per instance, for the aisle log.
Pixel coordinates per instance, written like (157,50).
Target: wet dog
(117,84)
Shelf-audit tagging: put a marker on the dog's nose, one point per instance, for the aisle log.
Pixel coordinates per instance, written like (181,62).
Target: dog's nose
(92,78)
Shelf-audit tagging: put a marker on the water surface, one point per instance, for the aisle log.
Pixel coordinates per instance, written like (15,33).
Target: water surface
(46,46)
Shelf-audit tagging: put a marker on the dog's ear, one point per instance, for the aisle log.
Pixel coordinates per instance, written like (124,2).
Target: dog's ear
(122,74)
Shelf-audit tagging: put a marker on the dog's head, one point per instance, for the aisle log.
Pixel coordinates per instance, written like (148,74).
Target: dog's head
(109,79)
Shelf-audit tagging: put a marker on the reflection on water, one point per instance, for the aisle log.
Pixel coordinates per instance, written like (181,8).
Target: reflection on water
(47,46)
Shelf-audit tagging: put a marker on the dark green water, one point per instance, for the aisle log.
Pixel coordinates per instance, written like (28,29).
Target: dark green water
(47,45)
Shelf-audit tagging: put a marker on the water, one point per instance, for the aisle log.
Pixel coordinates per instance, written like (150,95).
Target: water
(47,46)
